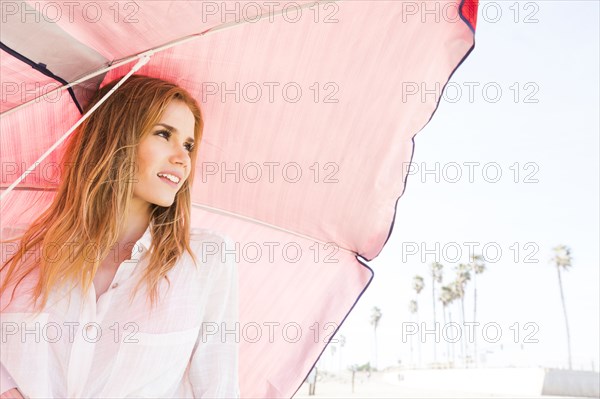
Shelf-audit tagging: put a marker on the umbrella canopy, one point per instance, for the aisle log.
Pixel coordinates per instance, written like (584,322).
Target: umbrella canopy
(310,113)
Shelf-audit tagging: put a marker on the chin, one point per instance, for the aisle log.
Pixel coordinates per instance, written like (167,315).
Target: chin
(164,202)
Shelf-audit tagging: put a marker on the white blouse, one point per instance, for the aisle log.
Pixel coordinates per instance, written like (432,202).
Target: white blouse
(186,347)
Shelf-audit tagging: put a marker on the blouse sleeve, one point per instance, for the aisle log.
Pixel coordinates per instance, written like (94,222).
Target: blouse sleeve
(213,368)
(6,381)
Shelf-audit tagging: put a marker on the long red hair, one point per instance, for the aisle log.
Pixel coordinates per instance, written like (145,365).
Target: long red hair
(95,193)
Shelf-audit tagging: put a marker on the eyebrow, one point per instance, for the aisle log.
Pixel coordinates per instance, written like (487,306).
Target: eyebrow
(171,128)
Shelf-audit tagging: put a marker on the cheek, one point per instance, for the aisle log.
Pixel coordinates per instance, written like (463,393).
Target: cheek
(146,159)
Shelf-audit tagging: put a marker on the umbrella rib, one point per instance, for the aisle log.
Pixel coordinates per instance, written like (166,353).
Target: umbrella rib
(119,62)
(24,188)
(43,69)
(259,222)
(143,61)
(146,54)
(222,212)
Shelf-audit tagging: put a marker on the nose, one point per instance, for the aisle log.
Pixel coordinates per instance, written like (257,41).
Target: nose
(181,157)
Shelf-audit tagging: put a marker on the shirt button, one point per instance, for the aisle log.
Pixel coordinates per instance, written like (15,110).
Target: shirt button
(115,285)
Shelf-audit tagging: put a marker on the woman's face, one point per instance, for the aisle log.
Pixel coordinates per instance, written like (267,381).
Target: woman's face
(163,158)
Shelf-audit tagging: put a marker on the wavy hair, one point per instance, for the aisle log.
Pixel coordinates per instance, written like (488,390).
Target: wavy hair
(95,194)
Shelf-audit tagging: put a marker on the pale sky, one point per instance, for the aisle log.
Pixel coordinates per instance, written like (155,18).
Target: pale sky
(556,142)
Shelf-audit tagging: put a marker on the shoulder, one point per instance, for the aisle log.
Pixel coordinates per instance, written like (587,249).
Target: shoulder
(207,259)
(213,247)
(207,240)
(198,234)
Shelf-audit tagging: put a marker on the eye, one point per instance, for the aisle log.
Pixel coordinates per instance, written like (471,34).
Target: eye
(189,147)
(167,134)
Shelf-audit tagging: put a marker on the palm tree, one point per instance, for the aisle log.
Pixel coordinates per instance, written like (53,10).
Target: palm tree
(446,297)
(375,317)
(333,350)
(413,307)
(477,266)
(562,260)
(342,342)
(436,270)
(459,284)
(418,285)
(453,297)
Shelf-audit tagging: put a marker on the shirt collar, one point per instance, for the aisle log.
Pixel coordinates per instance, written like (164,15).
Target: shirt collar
(143,244)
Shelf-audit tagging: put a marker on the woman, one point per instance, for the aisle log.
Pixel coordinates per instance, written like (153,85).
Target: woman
(90,315)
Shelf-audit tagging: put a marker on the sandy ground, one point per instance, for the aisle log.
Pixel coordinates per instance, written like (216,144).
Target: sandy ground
(329,386)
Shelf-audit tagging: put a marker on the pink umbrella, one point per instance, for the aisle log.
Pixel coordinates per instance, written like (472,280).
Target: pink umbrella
(310,113)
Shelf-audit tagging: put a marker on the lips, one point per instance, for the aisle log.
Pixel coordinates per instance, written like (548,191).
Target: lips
(170,172)
(169,182)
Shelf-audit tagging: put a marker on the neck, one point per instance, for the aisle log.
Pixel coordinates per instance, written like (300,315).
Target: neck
(136,223)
